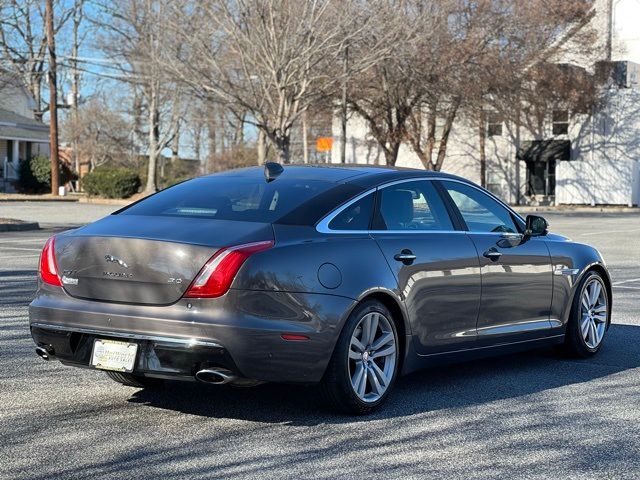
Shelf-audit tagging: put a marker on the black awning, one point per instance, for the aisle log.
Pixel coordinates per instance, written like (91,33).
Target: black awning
(544,150)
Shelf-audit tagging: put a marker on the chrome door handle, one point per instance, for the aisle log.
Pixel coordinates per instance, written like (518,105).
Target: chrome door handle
(405,256)
(492,254)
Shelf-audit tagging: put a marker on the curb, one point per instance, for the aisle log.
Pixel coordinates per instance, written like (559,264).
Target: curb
(105,201)
(34,199)
(19,227)
(525,209)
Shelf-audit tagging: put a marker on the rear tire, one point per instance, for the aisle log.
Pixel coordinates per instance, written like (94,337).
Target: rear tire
(365,361)
(131,380)
(590,317)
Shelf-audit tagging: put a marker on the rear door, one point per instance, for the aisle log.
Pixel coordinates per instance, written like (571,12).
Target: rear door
(517,278)
(436,266)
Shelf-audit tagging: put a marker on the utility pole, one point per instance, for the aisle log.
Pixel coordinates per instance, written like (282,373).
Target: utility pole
(75,84)
(53,98)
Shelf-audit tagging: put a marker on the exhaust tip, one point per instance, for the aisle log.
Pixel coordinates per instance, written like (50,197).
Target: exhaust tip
(43,353)
(215,376)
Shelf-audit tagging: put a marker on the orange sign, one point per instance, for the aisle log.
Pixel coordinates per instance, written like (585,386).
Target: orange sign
(324,144)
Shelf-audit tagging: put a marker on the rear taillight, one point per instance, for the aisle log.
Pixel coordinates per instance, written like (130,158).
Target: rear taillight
(48,265)
(216,276)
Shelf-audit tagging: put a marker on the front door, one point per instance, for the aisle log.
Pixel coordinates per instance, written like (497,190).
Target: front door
(436,266)
(516,271)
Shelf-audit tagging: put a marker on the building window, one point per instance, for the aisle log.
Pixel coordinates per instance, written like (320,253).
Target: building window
(494,124)
(560,122)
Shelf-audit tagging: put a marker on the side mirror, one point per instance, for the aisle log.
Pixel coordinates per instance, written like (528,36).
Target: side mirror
(536,226)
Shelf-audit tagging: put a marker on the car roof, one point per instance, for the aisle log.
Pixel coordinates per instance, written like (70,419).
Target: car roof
(361,175)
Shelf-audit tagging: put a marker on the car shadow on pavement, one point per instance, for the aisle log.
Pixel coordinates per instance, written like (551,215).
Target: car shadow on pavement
(453,386)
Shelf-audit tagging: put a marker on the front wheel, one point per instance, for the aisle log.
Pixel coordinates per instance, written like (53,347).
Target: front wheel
(589,319)
(364,364)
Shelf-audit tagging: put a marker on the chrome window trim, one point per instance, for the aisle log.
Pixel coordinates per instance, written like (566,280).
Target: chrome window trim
(190,342)
(323,225)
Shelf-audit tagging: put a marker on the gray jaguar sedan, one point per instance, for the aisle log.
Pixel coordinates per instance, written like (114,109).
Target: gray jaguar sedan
(342,276)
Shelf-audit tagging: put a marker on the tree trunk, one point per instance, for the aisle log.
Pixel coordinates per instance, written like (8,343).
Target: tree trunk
(446,131)
(482,137)
(212,143)
(197,134)
(305,138)
(391,154)
(238,136)
(262,147)
(281,140)
(431,134)
(343,109)
(154,117)
(283,146)
(36,90)
(53,99)
(175,145)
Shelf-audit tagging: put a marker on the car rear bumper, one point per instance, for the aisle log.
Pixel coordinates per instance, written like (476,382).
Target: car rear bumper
(241,332)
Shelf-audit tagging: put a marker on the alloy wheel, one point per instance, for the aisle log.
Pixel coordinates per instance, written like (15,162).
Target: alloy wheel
(593,313)
(372,357)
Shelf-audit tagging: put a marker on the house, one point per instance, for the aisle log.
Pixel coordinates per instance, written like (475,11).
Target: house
(584,158)
(21,136)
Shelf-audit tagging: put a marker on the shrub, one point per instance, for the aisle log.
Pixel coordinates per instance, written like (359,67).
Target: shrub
(111,182)
(35,175)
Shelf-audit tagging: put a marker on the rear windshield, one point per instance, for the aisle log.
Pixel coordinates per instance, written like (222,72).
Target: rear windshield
(231,198)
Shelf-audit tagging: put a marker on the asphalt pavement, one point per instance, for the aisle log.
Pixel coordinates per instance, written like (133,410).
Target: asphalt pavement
(531,415)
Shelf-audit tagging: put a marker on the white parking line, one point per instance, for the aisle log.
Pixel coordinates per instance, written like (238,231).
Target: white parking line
(19,256)
(615,284)
(608,232)
(19,240)
(627,287)
(22,248)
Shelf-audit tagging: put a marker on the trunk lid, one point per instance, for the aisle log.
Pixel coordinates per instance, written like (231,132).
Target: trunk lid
(145,260)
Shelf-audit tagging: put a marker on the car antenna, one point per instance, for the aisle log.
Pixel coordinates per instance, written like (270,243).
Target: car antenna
(272,170)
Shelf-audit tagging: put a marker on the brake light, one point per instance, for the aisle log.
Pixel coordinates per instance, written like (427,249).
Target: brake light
(48,265)
(216,276)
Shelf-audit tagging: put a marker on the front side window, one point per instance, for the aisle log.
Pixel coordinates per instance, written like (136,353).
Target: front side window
(480,212)
(411,206)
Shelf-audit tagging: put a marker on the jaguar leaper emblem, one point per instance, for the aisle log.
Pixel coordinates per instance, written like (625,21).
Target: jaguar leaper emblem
(112,259)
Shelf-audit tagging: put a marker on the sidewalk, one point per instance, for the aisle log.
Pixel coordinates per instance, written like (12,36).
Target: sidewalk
(575,209)
(71,197)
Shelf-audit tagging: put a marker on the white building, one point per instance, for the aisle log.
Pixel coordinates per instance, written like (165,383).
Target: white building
(21,136)
(578,159)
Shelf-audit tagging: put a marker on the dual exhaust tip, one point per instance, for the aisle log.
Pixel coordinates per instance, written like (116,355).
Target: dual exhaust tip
(43,353)
(216,376)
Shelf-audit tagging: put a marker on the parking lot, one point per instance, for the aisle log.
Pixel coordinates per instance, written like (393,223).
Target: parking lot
(532,415)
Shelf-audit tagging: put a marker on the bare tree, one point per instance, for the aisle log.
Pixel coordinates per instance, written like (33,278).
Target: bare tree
(104,134)
(23,43)
(491,50)
(391,94)
(132,39)
(270,59)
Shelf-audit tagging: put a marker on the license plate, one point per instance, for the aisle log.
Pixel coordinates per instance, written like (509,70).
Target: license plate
(114,355)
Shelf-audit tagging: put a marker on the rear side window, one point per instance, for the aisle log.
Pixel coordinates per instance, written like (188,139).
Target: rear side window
(355,217)
(411,206)
(231,198)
